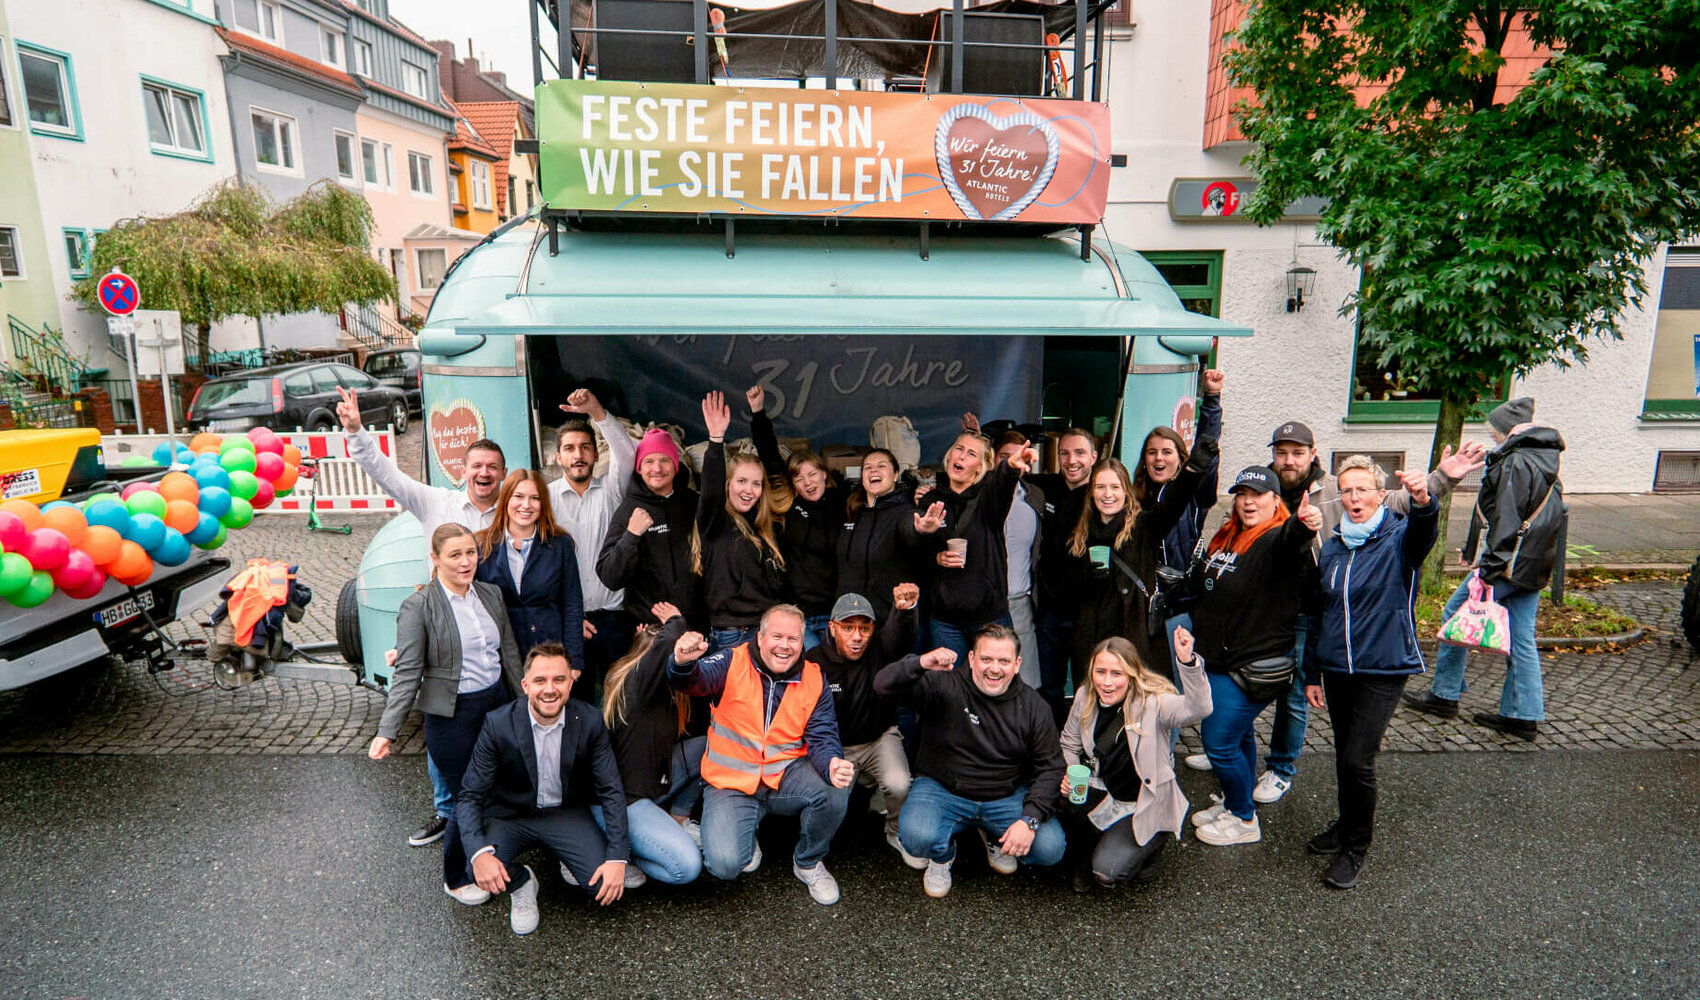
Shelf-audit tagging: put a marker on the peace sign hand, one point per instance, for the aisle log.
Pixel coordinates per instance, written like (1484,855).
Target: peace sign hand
(348,409)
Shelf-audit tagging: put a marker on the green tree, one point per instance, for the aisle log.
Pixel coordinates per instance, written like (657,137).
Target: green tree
(236,253)
(1499,228)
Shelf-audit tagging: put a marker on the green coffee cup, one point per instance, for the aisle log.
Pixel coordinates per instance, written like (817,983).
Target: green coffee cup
(1100,556)
(1078,777)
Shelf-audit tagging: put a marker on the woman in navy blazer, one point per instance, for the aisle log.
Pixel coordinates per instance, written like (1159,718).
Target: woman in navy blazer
(535,565)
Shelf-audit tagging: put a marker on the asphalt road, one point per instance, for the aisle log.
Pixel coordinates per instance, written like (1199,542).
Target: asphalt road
(1560,874)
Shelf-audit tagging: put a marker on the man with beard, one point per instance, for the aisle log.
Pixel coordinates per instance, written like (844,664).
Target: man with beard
(990,758)
(584,506)
(647,553)
(1064,494)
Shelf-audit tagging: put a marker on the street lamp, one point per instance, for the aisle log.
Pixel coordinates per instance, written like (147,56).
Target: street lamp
(1301,281)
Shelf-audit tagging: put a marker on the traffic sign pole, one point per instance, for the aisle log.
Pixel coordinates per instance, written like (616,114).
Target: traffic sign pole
(124,328)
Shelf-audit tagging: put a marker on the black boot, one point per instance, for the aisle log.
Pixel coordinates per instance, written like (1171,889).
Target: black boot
(1432,704)
(1521,728)
(1344,872)
(1327,842)
(1081,878)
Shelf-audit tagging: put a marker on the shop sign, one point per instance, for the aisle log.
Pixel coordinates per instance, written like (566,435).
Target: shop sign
(1220,199)
(690,149)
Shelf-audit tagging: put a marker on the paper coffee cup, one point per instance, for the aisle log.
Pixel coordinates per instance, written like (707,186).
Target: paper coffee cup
(1100,556)
(958,545)
(1078,777)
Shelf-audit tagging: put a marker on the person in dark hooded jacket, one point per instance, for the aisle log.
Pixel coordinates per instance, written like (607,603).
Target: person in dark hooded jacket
(882,534)
(736,545)
(1161,461)
(811,524)
(1521,510)
(970,584)
(648,549)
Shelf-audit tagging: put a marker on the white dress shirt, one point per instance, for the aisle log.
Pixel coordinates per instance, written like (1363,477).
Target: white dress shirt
(434,506)
(547,741)
(586,516)
(480,640)
(517,557)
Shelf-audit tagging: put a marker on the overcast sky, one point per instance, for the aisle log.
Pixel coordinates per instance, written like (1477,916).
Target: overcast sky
(499,30)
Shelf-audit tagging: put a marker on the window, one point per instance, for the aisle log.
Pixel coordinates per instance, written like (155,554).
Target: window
(297,384)
(6,119)
(369,162)
(388,164)
(419,173)
(271,22)
(324,380)
(481,186)
(1673,372)
(176,120)
(11,259)
(274,141)
(432,263)
(50,92)
(530,196)
(77,251)
(512,204)
(1381,393)
(331,46)
(1195,277)
(414,80)
(344,157)
(354,378)
(362,52)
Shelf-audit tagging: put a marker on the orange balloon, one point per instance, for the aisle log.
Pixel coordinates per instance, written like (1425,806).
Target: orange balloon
(180,486)
(204,441)
(27,512)
(287,480)
(103,544)
(182,515)
(68,521)
(132,564)
(291,455)
(138,579)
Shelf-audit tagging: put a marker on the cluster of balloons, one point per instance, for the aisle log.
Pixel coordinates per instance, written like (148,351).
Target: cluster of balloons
(76,547)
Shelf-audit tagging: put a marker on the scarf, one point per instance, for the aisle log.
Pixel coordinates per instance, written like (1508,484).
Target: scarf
(1354,534)
(1235,539)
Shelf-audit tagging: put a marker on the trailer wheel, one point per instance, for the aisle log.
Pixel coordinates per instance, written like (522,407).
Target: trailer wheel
(1691,606)
(348,624)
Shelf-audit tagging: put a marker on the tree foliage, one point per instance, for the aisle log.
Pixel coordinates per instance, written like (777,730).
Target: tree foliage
(237,253)
(1500,229)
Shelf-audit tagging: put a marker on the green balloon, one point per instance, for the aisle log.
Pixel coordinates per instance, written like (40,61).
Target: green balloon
(237,461)
(235,442)
(15,572)
(216,540)
(146,502)
(37,589)
(243,485)
(98,497)
(283,493)
(135,462)
(241,512)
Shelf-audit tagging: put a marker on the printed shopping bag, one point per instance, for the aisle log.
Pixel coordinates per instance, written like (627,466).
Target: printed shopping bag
(1480,624)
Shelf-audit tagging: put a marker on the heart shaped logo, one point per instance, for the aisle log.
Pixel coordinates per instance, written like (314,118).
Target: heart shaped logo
(451,429)
(994,167)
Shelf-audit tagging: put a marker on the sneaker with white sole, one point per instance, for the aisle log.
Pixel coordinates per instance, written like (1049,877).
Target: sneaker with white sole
(523,917)
(567,875)
(469,894)
(936,881)
(908,859)
(1198,761)
(1228,829)
(755,861)
(693,830)
(1270,788)
(635,877)
(1204,817)
(823,888)
(1003,864)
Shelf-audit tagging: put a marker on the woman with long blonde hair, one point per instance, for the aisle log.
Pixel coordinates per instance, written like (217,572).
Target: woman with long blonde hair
(1119,729)
(535,565)
(735,544)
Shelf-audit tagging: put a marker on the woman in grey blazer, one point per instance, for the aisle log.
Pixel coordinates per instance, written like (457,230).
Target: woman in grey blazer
(456,658)
(1120,728)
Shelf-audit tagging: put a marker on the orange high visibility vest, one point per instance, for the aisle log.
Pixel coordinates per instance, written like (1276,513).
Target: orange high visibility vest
(255,591)
(742,752)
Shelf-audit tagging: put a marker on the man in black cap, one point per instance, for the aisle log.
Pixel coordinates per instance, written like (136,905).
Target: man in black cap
(867,722)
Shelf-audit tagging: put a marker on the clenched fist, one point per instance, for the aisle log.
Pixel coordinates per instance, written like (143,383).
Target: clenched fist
(690,648)
(938,659)
(640,521)
(905,596)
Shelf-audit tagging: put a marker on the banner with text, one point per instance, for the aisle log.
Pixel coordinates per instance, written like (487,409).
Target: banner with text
(684,148)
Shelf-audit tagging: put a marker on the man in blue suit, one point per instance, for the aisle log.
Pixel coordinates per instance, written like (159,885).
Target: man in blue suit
(538,769)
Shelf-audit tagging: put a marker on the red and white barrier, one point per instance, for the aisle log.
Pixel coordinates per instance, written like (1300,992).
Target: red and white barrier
(343,485)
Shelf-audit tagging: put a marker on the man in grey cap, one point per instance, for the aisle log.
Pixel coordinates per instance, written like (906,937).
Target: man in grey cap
(1521,509)
(867,721)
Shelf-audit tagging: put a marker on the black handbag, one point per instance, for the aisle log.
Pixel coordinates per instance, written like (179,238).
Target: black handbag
(1267,679)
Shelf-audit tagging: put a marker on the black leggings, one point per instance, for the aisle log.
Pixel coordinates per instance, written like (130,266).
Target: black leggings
(1360,706)
(1117,858)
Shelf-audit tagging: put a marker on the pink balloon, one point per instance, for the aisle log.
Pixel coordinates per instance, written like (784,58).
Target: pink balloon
(268,466)
(90,588)
(46,549)
(12,531)
(135,488)
(263,496)
(75,571)
(266,441)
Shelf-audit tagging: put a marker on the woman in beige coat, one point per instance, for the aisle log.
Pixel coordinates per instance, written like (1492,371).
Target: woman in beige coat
(1119,727)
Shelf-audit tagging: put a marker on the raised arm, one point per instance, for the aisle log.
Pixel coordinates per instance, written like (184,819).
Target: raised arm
(711,502)
(1445,477)
(1209,428)
(619,558)
(414,496)
(694,673)
(1193,704)
(649,673)
(761,432)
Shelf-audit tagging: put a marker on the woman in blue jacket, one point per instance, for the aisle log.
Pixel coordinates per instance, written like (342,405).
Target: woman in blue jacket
(533,561)
(1367,646)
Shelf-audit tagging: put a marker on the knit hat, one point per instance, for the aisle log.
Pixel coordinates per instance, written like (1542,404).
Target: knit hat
(656,442)
(1511,413)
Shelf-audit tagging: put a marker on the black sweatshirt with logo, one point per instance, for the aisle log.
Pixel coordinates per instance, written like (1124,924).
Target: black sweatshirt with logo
(863,713)
(979,591)
(654,566)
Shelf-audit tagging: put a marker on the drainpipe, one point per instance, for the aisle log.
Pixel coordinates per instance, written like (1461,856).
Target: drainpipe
(235,151)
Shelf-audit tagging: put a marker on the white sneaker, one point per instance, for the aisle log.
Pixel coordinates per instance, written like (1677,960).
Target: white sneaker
(908,859)
(567,875)
(1229,829)
(1204,817)
(469,894)
(823,888)
(693,830)
(1198,761)
(523,917)
(876,802)
(1270,788)
(1003,864)
(635,878)
(755,861)
(937,880)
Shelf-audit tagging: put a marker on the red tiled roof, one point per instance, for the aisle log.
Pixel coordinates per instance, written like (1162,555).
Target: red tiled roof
(496,122)
(467,138)
(301,64)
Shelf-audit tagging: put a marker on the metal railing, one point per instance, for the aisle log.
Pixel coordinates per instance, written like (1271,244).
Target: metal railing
(373,330)
(38,355)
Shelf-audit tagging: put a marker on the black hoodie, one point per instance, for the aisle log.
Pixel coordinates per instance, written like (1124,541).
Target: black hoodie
(863,714)
(643,740)
(978,592)
(1058,571)
(978,746)
(877,550)
(811,530)
(740,579)
(655,566)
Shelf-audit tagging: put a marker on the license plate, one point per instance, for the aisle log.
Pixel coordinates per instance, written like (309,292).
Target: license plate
(226,426)
(126,610)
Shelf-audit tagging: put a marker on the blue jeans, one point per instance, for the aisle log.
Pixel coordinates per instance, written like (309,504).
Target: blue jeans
(684,780)
(660,846)
(726,638)
(441,798)
(730,819)
(1292,713)
(1521,697)
(814,630)
(932,817)
(1230,743)
(958,637)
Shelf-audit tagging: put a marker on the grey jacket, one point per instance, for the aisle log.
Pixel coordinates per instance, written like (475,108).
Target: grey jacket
(427,654)
(1161,805)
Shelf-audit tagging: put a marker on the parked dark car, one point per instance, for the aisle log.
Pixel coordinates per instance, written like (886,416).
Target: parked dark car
(398,368)
(284,397)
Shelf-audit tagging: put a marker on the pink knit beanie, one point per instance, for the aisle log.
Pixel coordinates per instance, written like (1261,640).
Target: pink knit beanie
(656,442)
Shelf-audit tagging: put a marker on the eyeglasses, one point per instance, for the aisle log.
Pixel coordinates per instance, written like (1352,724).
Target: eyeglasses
(1358,491)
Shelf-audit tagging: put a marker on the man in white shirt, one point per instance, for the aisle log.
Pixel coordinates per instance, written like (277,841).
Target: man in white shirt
(584,505)
(474,507)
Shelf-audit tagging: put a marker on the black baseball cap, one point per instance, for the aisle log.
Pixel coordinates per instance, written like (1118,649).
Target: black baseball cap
(1294,432)
(1257,478)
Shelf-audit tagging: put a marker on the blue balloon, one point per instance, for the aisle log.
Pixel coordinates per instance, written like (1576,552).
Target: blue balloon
(205,530)
(184,455)
(210,475)
(56,503)
(147,531)
(111,513)
(162,453)
(173,549)
(215,500)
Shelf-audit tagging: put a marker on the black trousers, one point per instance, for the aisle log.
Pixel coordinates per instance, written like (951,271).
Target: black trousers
(613,639)
(569,833)
(1360,706)
(1116,857)
(449,740)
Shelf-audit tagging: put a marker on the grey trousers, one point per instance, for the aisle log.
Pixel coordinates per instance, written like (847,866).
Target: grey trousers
(1021,613)
(883,764)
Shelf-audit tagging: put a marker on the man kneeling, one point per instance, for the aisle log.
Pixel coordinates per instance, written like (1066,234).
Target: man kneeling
(772,747)
(990,758)
(538,766)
